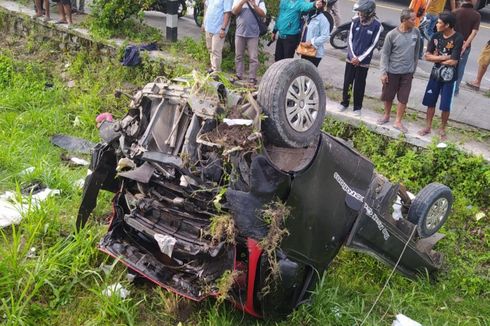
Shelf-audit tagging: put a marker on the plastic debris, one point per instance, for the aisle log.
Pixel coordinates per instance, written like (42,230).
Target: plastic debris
(79,161)
(402,320)
(441,145)
(166,243)
(116,289)
(12,211)
(27,171)
(238,122)
(479,216)
(80,183)
(397,206)
(31,253)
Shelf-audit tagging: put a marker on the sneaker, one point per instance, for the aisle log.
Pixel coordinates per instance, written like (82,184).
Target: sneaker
(341,108)
(357,113)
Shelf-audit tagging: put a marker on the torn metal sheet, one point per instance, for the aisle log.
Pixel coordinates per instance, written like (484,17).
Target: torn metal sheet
(73,144)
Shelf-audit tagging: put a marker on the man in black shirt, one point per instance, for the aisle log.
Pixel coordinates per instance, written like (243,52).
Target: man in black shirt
(444,50)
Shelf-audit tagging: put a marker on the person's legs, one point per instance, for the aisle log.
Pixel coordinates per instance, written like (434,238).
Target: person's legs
(81,6)
(240,43)
(253,55)
(405,85)
(290,45)
(483,62)
(38,7)
(336,14)
(61,11)
(432,24)
(313,60)
(388,92)
(349,74)
(461,67)
(279,53)
(209,46)
(46,9)
(447,94)
(67,10)
(430,99)
(216,52)
(359,86)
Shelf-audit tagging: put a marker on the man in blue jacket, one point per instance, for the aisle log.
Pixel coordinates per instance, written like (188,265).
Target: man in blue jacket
(364,33)
(287,29)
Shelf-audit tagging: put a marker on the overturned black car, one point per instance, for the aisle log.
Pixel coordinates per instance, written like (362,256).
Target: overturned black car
(213,188)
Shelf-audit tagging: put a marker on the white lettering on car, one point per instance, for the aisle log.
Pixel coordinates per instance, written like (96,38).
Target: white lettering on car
(375,218)
(347,189)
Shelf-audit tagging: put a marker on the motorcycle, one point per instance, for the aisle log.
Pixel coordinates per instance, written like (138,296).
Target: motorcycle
(340,37)
(161,6)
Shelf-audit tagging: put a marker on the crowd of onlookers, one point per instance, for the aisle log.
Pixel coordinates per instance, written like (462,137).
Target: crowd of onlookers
(302,28)
(65,9)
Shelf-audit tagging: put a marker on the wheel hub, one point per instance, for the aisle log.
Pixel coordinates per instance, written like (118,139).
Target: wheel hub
(436,213)
(302,104)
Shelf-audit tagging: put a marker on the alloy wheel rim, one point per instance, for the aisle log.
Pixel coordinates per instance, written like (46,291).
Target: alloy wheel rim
(302,104)
(436,213)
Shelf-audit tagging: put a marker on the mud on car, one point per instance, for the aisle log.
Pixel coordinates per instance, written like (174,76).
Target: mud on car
(215,187)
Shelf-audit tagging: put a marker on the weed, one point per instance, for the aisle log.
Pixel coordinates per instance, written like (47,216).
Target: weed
(222,227)
(224,284)
(274,215)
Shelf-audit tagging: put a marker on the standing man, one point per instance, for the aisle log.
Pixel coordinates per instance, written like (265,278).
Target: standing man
(247,35)
(217,15)
(483,62)
(399,60)
(467,23)
(434,8)
(364,33)
(287,30)
(444,49)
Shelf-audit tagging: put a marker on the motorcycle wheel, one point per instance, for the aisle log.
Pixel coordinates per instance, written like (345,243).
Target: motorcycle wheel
(199,12)
(340,37)
(182,10)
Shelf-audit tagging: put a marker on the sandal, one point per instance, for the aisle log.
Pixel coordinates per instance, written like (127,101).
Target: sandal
(382,121)
(424,132)
(401,128)
(442,134)
(473,86)
(58,22)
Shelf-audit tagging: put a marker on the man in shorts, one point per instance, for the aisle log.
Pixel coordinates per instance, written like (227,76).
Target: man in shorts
(483,62)
(399,59)
(444,49)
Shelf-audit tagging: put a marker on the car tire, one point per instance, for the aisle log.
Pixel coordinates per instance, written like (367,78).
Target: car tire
(430,208)
(292,96)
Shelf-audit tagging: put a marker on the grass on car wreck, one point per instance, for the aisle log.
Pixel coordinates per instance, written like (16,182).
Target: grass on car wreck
(217,191)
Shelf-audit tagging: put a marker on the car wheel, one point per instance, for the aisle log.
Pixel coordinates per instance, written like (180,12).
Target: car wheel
(292,97)
(430,208)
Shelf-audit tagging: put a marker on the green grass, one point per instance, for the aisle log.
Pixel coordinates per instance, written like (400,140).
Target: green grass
(62,283)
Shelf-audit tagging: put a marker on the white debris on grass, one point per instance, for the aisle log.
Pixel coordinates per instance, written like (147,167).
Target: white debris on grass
(27,171)
(441,145)
(12,211)
(116,289)
(238,122)
(402,320)
(79,161)
(479,216)
(80,183)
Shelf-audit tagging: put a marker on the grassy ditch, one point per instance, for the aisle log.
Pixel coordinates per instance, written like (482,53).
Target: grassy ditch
(61,281)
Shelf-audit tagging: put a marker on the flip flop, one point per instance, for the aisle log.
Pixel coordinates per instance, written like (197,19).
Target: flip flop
(60,22)
(472,86)
(442,134)
(401,129)
(424,132)
(382,121)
